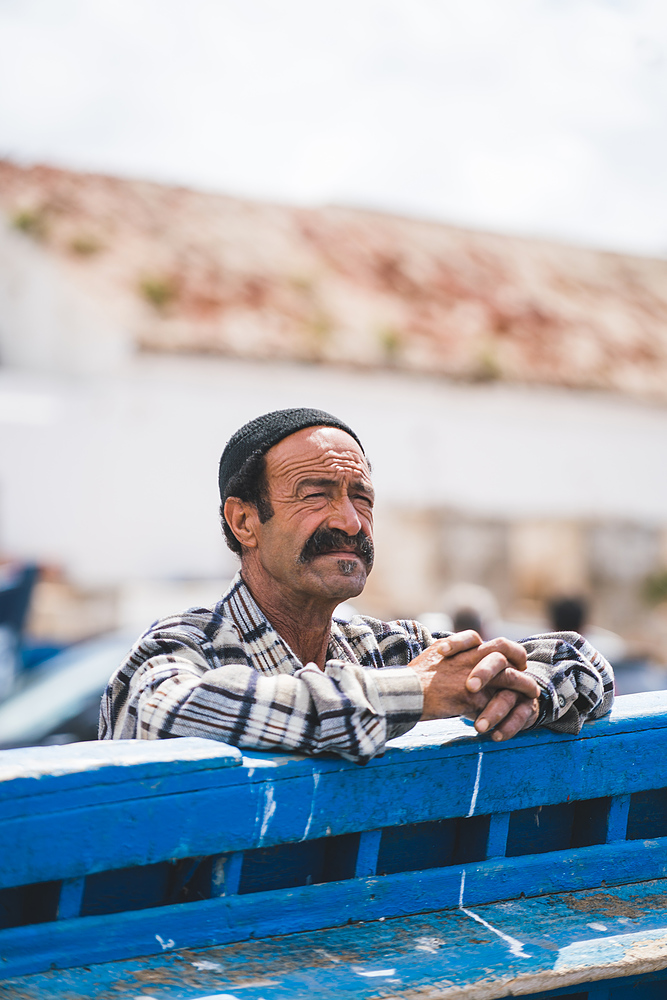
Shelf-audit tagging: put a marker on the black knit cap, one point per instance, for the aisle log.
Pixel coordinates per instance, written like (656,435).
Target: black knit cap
(263,432)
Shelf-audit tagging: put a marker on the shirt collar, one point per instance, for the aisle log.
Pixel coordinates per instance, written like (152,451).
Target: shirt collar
(267,645)
(267,649)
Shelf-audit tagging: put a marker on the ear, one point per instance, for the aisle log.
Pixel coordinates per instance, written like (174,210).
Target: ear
(243,519)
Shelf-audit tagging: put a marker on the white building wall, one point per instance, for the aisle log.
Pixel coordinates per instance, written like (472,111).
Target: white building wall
(115,476)
(48,324)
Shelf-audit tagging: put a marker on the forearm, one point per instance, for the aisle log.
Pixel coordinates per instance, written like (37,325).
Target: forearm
(345,710)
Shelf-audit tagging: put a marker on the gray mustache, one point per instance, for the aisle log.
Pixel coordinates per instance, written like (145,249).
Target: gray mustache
(332,539)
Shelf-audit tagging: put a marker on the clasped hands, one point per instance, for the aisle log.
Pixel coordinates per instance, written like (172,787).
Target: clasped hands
(482,681)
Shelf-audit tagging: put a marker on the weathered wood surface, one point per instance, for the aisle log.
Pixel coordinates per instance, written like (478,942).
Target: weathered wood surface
(286,798)
(263,914)
(114,850)
(518,948)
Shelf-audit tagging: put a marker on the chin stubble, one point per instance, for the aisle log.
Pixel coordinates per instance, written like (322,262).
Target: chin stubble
(347,566)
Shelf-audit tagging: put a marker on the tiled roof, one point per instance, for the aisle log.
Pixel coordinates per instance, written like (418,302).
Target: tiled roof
(191,271)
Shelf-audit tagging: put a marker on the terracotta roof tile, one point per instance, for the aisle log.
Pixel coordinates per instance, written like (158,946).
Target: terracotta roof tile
(192,271)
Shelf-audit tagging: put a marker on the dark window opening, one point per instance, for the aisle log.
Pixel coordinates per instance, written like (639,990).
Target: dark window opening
(647,818)
(328,859)
(435,844)
(29,904)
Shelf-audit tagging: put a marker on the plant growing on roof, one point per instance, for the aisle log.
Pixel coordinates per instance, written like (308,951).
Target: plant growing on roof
(31,221)
(391,342)
(85,245)
(655,587)
(159,291)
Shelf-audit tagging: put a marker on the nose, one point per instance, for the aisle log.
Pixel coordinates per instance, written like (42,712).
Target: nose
(345,516)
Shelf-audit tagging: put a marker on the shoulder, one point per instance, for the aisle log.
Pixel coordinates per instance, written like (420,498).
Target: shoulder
(196,624)
(204,633)
(379,643)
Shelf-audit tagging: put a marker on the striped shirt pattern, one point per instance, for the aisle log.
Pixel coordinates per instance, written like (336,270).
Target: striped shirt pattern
(225,673)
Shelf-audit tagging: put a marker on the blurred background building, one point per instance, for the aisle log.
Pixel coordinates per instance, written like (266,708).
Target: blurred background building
(511,391)
(511,394)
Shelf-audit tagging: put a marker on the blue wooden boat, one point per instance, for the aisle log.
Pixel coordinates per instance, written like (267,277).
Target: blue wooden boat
(450,867)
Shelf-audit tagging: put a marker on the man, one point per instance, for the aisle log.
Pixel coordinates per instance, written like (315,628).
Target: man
(269,668)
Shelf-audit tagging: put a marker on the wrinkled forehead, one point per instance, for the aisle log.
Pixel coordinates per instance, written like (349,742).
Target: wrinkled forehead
(316,451)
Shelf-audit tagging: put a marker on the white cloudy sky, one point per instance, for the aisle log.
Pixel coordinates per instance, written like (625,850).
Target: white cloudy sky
(545,117)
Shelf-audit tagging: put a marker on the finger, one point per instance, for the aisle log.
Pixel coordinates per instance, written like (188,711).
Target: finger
(433,656)
(448,661)
(489,672)
(514,651)
(521,717)
(516,680)
(459,642)
(498,709)
(488,668)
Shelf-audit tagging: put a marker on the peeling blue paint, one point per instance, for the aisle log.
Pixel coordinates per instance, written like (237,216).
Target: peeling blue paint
(505,902)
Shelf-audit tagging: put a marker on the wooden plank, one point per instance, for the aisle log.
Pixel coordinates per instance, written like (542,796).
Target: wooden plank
(156,829)
(497,839)
(635,712)
(29,772)
(617,818)
(76,843)
(51,794)
(514,948)
(318,799)
(98,767)
(192,798)
(367,855)
(186,798)
(226,874)
(70,899)
(236,918)
(78,773)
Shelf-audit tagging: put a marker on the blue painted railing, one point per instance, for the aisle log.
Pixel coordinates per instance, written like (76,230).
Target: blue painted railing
(133,848)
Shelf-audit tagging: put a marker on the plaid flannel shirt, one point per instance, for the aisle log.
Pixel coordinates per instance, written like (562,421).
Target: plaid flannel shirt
(225,673)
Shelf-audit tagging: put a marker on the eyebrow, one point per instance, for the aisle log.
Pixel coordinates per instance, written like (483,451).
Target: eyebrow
(357,484)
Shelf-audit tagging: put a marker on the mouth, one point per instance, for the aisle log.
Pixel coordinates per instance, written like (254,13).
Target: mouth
(344,548)
(340,553)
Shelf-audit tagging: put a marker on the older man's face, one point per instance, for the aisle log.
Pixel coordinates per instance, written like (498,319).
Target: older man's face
(319,541)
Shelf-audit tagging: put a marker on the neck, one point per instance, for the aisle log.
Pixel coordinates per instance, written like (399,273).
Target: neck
(303,622)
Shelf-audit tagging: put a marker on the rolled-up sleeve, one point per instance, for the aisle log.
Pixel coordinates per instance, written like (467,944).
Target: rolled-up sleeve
(576,681)
(345,709)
